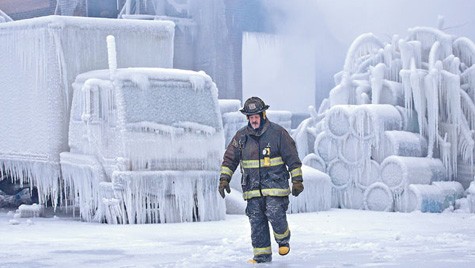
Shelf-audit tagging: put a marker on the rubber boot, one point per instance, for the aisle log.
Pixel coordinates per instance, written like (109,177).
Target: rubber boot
(284,249)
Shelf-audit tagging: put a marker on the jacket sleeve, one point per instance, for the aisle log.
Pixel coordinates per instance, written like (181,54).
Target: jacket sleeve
(231,159)
(290,156)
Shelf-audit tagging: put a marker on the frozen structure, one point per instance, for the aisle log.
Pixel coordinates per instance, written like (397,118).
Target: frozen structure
(42,57)
(146,145)
(135,135)
(397,130)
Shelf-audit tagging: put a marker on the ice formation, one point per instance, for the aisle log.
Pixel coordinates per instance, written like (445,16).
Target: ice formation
(41,58)
(145,143)
(145,146)
(401,115)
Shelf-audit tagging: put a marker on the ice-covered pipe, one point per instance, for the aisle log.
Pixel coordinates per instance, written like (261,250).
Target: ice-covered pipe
(399,171)
(111,55)
(377,79)
(464,49)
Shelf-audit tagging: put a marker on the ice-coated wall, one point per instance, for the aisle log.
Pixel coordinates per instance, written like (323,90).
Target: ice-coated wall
(40,59)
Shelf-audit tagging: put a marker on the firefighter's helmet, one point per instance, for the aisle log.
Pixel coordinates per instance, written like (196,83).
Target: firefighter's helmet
(254,105)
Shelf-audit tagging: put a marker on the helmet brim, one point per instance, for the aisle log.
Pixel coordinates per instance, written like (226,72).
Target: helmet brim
(243,111)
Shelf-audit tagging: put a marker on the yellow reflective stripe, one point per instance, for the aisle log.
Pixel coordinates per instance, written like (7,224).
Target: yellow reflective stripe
(250,163)
(260,251)
(276,161)
(282,236)
(226,171)
(255,163)
(296,172)
(266,192)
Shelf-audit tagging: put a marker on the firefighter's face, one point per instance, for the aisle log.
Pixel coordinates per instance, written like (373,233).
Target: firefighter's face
(255,121)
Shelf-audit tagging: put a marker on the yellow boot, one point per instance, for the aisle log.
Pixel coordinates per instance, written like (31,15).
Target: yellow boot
(284,249)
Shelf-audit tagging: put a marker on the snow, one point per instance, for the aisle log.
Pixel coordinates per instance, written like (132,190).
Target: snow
(334,238)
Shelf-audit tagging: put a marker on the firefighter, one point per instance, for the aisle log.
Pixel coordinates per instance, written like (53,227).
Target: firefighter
(266,153)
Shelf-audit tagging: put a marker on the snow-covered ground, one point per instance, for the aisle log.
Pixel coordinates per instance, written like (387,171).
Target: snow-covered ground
(334,238)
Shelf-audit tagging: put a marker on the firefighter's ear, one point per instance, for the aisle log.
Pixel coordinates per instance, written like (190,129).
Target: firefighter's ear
(264,115)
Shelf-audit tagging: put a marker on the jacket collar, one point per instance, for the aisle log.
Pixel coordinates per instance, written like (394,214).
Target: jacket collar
(258,132)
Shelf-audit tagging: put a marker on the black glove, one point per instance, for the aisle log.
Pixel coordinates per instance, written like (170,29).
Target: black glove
(223,184)
(297,188)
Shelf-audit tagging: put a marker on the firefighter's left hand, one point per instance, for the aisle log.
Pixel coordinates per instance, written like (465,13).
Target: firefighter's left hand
(223,184)
(297,188)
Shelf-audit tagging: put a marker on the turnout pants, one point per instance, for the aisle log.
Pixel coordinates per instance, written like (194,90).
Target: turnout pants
(261,211)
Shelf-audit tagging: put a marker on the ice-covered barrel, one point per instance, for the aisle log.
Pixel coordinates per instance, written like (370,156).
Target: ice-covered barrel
(399,171)
(337,120)
(369,121)
(351,198)
(317,194)
(402,143)
(354,149)
(369,172)
(326,146)
(341,174)
(429,198)
(378,197)
(314,161)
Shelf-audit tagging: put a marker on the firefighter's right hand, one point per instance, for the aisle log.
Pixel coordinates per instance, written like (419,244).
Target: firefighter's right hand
(223,184)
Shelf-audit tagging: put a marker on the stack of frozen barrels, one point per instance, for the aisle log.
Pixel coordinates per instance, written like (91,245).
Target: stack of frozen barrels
(378,161)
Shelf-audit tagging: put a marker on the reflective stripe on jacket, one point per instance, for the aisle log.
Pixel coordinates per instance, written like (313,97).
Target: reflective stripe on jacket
(262,177)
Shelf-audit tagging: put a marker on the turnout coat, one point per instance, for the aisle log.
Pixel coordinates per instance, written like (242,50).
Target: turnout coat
(266,156)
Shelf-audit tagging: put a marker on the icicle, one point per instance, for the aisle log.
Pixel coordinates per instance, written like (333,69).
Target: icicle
(377,79)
